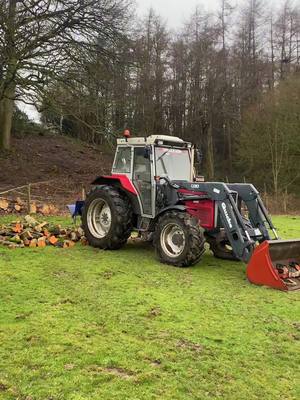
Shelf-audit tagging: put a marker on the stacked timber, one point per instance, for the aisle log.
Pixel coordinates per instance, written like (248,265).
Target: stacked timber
(29,232)
(19,206)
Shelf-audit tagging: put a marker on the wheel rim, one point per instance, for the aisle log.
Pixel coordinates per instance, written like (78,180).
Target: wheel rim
(172,240)
(99,218)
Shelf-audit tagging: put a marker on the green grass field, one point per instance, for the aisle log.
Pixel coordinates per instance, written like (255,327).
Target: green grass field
(87,324)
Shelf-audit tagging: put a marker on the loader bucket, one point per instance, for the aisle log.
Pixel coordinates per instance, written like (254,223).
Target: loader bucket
(273,264)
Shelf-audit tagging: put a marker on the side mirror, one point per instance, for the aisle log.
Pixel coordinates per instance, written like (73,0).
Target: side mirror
(147,152)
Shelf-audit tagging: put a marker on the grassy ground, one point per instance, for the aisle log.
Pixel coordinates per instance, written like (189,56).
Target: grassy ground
(86,324)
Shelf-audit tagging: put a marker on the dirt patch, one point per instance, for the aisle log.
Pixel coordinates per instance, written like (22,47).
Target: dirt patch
(3,387)
(107,274)
(194,347)
(68,165)
(154,312)
(69,367)
(23,316)
(296,325)
(116,371)
(154,363)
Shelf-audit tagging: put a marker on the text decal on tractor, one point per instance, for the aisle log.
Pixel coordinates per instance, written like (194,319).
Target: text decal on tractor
(154,191)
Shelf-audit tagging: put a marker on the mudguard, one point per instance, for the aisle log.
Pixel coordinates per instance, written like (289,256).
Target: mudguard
(122,181)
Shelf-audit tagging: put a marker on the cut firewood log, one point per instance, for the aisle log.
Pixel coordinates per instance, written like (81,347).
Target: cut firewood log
(26,242)
(39,227)
(41,242)
(16,239)
(4,204)
(68,244)
(31,221)
(33,243)
(55,230)
(73,236)
(53,240)
(48,209)
(26,235)
(5,242)
(46,233)
(18,228)
(80,232)
(11,245)
(33,208)
(17,207)
(45,209)
(19,201)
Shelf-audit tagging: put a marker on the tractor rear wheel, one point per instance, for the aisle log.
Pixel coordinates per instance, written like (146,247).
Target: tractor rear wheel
(179,239)
(107,218)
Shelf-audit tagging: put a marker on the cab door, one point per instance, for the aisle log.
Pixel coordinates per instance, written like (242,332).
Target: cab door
(142,180)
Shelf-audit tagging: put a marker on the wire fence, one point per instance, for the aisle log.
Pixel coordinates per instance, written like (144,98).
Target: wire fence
(47,197)
(52,196)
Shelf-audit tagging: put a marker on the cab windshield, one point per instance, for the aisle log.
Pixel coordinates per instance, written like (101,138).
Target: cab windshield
(174,163)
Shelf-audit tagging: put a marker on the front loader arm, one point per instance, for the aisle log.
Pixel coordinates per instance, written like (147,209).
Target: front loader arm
(258,213)
(232,220)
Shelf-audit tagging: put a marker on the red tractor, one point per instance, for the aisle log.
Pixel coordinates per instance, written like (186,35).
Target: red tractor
(153,190)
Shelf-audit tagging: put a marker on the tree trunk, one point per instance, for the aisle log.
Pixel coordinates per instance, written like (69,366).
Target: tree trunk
(8,83)
(210,153)
(6,115)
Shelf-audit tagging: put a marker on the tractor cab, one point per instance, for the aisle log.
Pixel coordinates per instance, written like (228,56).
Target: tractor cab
(153,162)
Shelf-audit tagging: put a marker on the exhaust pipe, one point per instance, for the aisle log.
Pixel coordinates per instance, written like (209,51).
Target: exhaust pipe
(276,263)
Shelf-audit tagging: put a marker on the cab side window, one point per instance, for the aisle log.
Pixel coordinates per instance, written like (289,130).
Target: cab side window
(142,178)
(123,160)
(142,168)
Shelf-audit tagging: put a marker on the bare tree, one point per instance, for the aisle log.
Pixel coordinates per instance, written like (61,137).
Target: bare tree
(40,40)
(151,50)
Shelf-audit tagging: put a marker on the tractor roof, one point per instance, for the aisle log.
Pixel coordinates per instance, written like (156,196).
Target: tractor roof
(135,141)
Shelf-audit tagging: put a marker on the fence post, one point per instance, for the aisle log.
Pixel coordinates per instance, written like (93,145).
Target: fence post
(29,198)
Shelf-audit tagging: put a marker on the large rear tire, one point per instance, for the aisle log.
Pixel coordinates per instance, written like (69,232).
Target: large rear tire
(107,218)
(179,239)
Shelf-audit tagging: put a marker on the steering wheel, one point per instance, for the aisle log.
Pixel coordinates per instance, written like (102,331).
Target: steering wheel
(173,185)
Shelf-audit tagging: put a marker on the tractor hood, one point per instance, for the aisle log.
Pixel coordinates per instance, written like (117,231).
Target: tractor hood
(190,186)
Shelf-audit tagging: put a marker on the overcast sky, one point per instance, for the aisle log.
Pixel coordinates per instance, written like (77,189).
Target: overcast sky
(175,12)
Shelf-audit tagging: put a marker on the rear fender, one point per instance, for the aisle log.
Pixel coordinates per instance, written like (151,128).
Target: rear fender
(123,183)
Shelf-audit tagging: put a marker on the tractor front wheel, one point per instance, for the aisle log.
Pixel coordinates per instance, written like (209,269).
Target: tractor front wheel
(179,239)
(107,218)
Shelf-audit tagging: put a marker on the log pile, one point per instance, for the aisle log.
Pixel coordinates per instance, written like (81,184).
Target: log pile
(31,233)
(17,205)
